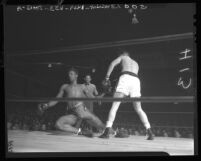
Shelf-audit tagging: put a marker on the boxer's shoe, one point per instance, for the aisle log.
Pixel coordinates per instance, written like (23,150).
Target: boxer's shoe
(108,132)
(150,135)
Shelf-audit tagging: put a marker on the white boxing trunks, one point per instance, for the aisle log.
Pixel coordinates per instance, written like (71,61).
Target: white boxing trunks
(129,85)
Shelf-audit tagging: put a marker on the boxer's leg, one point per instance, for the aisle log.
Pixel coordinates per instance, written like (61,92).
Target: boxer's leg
(65,123)
(135,91)
(111,116)
(141,114)
(144,119)
(78,123)
(121,91)
(84,113)
(113,110)
(90,108)
(89,105)
(85,124)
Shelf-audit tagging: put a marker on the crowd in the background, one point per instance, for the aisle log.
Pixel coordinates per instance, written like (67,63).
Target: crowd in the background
(31,121)
(139,130)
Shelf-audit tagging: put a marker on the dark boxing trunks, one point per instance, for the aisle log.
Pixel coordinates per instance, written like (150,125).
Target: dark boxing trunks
(73,109)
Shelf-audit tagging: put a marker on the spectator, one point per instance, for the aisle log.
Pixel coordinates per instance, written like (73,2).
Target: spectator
(154,131)
(164,133)
(130,131)
(25,127)
(176,133)
(189,134)
(49,126)
(122,128)
(36,127)
(21,124)
(136,132)
(142,131)
(9,124)
(169,132)
(16,126)
(183,133)
(43,127)
(158,132)
(117,129)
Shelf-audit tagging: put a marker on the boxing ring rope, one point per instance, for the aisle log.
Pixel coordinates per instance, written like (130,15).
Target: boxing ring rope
(108,44)
(153,99)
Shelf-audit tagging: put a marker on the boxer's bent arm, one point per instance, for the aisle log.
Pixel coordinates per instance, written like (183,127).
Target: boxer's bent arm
(95,91)
(112,65)
(97,94)
(59,95)
(87,93)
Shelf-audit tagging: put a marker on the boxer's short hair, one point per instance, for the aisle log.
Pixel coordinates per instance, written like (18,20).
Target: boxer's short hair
(122,52)
(74,70)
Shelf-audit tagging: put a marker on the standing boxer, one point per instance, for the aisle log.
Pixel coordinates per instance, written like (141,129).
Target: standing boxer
(128,85)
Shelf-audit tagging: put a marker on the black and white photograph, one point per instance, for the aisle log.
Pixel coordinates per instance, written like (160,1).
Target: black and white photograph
(100,78)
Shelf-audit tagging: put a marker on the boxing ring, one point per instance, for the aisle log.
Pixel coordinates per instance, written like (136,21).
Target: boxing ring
(22,141)
(57,141)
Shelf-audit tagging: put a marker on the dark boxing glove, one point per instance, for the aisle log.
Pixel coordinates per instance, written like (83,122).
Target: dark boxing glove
(106,85)
(42,107)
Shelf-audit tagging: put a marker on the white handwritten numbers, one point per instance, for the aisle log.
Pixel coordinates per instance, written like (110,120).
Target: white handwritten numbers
(81,7)
(186,82)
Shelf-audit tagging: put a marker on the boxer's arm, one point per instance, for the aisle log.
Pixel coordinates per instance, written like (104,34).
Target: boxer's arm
(112,65)
(100,96)
(95,91)
(59,95)
(97,95)
(86,92)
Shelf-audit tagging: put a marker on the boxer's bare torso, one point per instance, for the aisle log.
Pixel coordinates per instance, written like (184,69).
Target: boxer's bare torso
(74,90)
(127,64)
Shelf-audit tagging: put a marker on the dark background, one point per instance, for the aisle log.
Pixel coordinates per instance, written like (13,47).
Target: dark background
(27,31)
